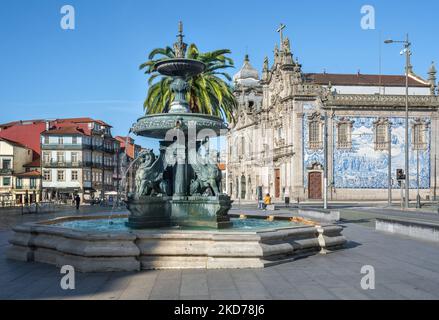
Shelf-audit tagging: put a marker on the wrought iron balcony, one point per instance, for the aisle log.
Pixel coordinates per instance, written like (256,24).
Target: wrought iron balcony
(49,146)
(62,164)
(6,171)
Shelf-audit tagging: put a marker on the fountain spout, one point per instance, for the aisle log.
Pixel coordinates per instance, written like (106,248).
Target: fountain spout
(180,69)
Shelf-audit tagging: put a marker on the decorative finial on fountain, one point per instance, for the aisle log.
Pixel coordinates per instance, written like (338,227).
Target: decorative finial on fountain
(180,47)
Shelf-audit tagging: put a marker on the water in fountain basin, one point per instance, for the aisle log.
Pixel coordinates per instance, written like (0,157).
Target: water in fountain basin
(123,186)
(102,225)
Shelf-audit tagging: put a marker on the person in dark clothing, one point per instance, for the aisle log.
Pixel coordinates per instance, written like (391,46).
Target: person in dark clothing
(77,201)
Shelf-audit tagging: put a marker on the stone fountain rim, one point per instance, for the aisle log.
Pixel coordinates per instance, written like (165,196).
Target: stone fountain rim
(184,114)
(173,60)
(50,226)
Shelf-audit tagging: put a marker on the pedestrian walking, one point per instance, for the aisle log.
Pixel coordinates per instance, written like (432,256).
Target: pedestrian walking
(77,201)
(267,201)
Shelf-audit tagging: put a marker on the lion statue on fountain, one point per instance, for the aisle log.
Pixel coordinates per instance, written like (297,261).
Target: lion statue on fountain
(149,176)
(207,174)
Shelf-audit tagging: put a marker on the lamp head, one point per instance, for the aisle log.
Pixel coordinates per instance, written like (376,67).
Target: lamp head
(388,41)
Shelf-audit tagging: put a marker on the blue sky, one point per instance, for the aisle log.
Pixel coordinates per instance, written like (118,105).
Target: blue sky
(47,72)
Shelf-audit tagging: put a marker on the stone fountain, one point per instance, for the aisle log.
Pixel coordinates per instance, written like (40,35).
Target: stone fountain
(178,216)
(180,186)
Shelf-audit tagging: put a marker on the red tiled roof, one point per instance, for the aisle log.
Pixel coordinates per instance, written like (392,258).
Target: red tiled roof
(364,80)
(83,120)
(64,130)
(34,173)
(27,132)
(14,143)
(130,147)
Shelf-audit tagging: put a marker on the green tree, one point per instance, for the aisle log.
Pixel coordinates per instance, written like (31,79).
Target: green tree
(209,93)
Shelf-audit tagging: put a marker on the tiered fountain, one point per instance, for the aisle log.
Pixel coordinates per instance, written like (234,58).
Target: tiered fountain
(180,186)
(178,216)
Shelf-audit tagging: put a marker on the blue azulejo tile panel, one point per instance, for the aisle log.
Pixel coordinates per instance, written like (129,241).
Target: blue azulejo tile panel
(364,167)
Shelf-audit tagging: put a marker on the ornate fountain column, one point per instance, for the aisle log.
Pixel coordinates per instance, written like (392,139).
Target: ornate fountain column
(196,199)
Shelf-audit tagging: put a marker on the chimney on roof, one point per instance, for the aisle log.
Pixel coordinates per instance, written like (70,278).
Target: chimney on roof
(47,125)
(358,72)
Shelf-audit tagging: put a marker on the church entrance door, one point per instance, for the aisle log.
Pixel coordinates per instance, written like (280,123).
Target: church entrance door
(315,185)
(277,183)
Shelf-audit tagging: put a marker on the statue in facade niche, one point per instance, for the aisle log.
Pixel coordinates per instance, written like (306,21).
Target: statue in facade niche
(149,176)
(207,174)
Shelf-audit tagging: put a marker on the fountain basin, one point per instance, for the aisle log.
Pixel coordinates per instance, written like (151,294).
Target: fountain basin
(157,125)
(180,67)
(89,250)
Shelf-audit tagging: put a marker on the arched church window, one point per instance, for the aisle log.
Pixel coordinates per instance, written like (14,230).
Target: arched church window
(382,138)
(419,141)
(243,149)
(344,134)
(315,132)
(251,105)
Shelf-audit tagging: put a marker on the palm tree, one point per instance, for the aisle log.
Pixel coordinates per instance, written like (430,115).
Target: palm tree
(209,93)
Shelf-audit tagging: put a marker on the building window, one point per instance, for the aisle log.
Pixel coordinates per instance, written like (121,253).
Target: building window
(6,181)
(419,140)
(47,175)
(60,157)
(60,175)
(33,183)
(46,157)
(60,140)
(19,183)
(344,134)
(381,134)
(74,157)
(6,164)
(46,140)
(74,140)
(74,175)
(315,131)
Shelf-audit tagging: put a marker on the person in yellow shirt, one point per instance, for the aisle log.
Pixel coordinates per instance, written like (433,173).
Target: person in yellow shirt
(267,201)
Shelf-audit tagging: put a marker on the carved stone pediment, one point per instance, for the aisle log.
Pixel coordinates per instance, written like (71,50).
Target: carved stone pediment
(315,166)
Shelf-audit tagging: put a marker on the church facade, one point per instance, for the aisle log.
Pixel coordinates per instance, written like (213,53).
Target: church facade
(287,120)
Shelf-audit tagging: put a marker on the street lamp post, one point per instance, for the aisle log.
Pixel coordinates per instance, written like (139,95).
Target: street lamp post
(407,45)
(103,167)
(389,160)
(325,168)
(418,196)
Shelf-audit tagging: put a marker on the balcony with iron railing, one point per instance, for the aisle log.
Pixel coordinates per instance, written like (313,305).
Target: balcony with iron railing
(21,187)
(64,146)
(6,171)
(62,164)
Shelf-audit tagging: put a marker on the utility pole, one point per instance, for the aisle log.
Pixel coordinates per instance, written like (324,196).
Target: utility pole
(418,196)
(117,174)
(407,172)
(389,160)
(325,155)
(435,177)
(103,167)
(407,51)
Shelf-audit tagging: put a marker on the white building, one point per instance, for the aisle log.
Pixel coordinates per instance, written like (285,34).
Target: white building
(78,157)
(18,184)
(277,141)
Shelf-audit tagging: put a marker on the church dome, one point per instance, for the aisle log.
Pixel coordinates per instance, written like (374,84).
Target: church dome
(248,75)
